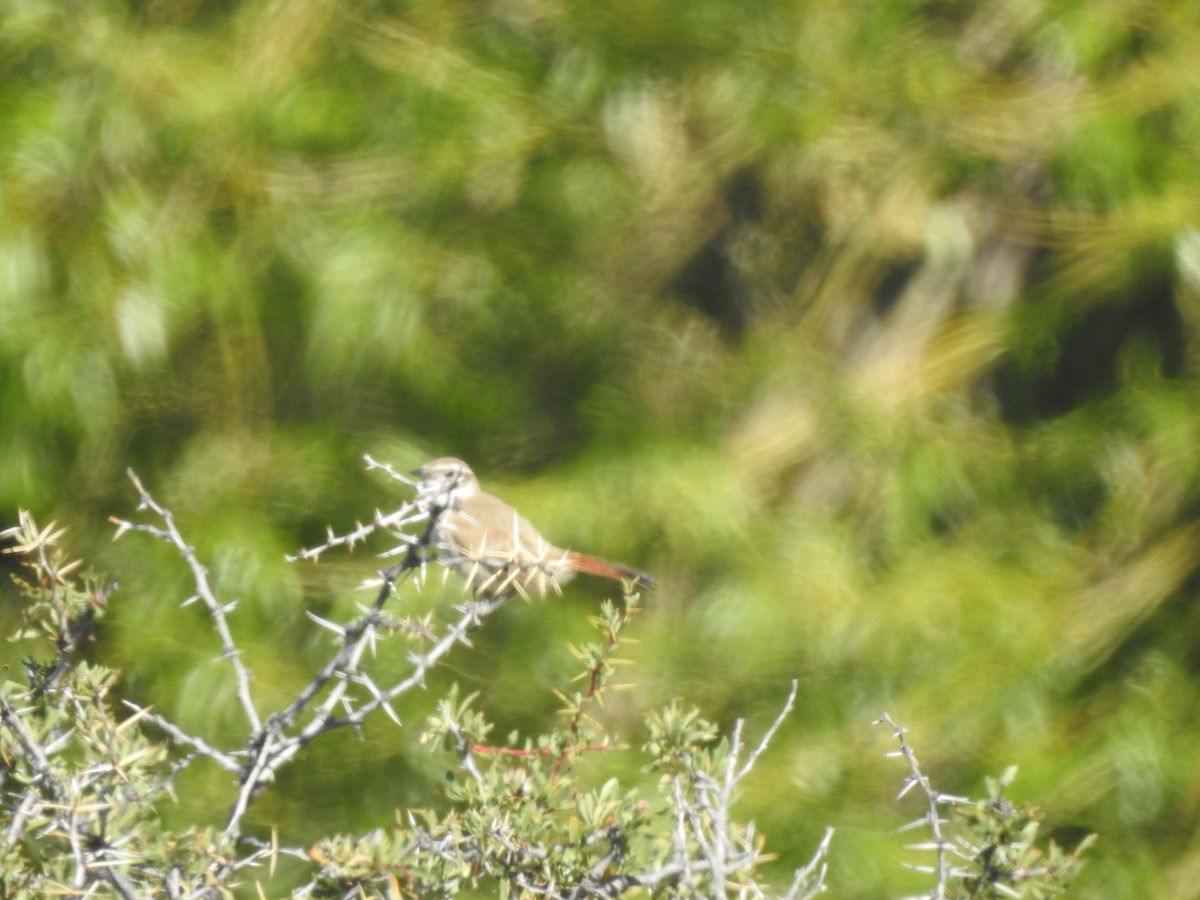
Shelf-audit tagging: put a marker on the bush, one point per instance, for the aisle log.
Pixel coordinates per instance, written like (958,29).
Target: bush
(85,788)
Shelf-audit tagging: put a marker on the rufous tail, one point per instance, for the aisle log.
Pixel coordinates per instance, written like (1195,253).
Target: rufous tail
(594,565)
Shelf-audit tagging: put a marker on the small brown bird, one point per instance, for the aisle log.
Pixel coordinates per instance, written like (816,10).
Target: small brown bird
(494,547)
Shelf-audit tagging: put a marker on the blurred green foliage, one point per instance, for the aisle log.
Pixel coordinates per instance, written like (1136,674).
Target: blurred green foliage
(869,329)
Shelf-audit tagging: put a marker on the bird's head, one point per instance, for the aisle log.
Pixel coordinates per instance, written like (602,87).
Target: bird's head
(445,482)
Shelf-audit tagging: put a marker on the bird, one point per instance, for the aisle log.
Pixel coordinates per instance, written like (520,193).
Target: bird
(491,545)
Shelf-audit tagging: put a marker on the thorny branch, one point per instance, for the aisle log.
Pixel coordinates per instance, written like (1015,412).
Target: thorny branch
(995,850)
(932,817)
(329,700)
(702,807)
(169,533)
